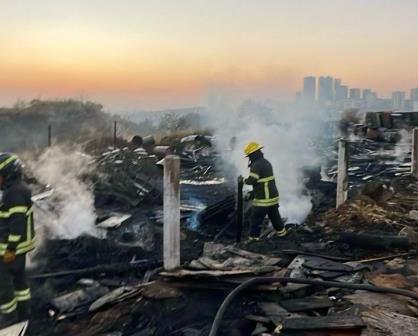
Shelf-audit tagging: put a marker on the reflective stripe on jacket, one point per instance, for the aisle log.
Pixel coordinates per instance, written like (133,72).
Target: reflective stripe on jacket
(16,220)
(263,182)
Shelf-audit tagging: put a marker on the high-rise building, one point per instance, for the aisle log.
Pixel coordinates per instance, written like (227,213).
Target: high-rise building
(366,93)
(326,89)
(398,100)
(370,98)
(337,89)
(309,89)
(355,94)
(341,92)
(414,94)
(337,84)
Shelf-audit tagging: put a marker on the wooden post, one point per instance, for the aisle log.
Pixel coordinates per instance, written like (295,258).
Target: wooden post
(239,209)
(414,156)
(115,125)
(342,182)
(171,212)
(49,135)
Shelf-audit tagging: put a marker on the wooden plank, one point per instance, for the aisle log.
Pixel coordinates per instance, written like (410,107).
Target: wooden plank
(171,212)
(324,322)
(305,304)
(381,301)
(380,323)
(182,273)
(276,313)
(256,318)
(393,256)
(293,252)
(342,182)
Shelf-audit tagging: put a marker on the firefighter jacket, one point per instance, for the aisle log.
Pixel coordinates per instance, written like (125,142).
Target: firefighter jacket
(16,219)
(264,186)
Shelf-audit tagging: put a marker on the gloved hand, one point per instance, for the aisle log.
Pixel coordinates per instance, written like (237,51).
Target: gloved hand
(9,257)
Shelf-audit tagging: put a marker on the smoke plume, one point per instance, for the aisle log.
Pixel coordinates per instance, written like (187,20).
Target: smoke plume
(70,212)
(287,137)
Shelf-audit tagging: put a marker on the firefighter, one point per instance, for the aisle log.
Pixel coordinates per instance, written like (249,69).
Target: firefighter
(16,240)
(265,194)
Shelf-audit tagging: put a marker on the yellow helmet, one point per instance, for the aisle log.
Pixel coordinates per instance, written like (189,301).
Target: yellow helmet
(251,148)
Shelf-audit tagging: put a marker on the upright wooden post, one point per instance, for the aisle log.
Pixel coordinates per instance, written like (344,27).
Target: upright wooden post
(414,156)
(115,126)
(49,135)
(171,212)
(239,209)
(342,182)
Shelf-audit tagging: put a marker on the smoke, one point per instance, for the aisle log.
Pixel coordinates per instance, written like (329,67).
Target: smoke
(287,137)
(403,146)
(70,212)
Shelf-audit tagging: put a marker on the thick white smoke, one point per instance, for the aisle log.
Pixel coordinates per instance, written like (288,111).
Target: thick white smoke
(287,139)
(70,213)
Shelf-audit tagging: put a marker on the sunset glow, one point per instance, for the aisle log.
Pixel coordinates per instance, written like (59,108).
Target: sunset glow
(150,54)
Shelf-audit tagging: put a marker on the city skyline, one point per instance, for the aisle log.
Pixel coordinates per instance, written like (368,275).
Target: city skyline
(313,83)
(330,93)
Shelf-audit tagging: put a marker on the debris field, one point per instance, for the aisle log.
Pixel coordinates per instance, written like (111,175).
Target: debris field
(346,271)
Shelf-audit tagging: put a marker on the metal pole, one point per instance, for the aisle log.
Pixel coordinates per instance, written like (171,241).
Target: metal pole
(342,182)
(49,135)
(171,212)
(414,156)
(115,125)
(239,209)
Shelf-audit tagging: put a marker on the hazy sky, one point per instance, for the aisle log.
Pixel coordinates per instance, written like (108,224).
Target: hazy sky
(169,53)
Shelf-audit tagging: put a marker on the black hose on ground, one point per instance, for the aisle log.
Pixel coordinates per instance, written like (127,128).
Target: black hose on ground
(265,280)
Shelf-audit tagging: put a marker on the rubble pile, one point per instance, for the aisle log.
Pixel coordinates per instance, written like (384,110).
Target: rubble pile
(128,175)
(370,160)
(164,303)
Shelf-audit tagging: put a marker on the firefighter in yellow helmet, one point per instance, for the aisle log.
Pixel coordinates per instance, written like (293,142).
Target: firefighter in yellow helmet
(265,193)
(17,238)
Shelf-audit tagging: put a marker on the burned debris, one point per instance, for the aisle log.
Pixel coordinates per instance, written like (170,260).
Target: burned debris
(347,270)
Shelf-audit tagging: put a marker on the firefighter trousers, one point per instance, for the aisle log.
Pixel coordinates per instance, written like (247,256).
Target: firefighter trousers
(258,215)
(14,289)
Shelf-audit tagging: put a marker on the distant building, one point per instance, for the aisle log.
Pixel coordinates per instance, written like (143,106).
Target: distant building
(337,84)
(366,93)
(341,92)
(355,94)
(299,96)
(370,98)
(326,89)
(398,100)
(309,89)
(414,94)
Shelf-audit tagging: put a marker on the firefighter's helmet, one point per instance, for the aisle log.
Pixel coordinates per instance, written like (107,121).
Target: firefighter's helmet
(251,148)
(10,166)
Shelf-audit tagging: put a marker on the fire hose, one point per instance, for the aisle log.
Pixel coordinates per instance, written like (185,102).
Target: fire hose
(265,280)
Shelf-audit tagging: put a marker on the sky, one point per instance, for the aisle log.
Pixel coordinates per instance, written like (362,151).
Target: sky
(141,54)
